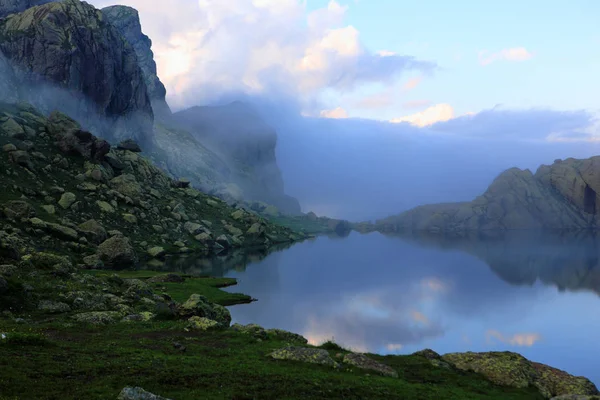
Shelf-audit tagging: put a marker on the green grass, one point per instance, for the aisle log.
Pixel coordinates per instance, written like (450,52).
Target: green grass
(96,363)
(209,287)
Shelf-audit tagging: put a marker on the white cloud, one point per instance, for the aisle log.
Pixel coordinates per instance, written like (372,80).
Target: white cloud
(512,54)
(437,113)
(376,101)
(205,49)
(411,104)
(519,339)
(412,83)
(337,113)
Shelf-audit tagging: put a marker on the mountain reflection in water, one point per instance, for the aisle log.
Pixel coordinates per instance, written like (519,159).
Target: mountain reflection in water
(531,292)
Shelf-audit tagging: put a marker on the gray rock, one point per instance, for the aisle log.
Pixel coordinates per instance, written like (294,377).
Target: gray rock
(67,200)
(53,307)
(117,252)
(157,252)
(16,6)
(137,393)
(304,354)
(199,306)
(364,362)
(3,285)
(22,159)
(129,145)
(94,231)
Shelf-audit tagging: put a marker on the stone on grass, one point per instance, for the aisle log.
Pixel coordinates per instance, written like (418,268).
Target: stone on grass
(137,393)
(364,362)
(304,354)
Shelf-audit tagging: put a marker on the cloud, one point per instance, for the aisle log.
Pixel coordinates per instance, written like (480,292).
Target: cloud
(519,339)
(523,125)
(512,54)
(394,347)
(419,317)
(412,83)
(209,48)
(375,101)
(432,115)
(338,112)
(416,104)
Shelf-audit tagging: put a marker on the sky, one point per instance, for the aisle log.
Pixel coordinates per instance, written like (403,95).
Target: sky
(383,105)
(380,59)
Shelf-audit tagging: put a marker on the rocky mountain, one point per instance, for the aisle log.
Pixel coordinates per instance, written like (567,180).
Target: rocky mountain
(65,55)
(563,195)
(127,21)
(64,188)
(98,67)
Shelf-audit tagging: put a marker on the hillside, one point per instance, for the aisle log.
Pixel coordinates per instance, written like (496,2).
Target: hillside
(563,195)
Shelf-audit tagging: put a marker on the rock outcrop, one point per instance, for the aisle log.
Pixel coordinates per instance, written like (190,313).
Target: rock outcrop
(127,22)
(66,55)
(559,196)
(512,369)
(8,7)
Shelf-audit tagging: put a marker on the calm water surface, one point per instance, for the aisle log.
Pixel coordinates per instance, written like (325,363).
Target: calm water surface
(530,293)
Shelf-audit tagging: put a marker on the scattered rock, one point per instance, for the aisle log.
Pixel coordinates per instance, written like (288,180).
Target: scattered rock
(157,252)
(202,324)
(105,207)
(179,346)
(67,200)
(50,209)
(251,329)
(434,358)
(364,362)
(7,148)
(512,369)
(93,230)
(61,231)
(304,354)
(3,285)
(53,307)
(289,337)
(193,228)
(18,209)
(117,252)
(223,240)
(130,218)
(127,185)
(199,306)
(98,317)
(130,145)
(181,183)
(137,393)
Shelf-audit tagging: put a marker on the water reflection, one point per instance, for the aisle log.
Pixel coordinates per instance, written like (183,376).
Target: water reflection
(401,294)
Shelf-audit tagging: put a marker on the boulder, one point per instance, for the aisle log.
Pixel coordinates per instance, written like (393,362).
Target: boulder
(157,252)
(71,139)
(18,209)
(7,148)
(512,369)
(117,252)
(202,324)
(193,228)
(137,393)
(53,307)
(199,306)
(22,159)
(364,362)
(304,354)
(94,231)
(66,200)
(127,185)
(181,183)
(98,317)
(129,145)
(254,330)
(289,337)
(223,240)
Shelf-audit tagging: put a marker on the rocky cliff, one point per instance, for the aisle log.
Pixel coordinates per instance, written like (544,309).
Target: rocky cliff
(236,135)
(8,7)
(66,55)
(127,22)
(563,195)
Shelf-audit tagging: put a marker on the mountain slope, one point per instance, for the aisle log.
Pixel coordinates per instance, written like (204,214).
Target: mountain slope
(563,195)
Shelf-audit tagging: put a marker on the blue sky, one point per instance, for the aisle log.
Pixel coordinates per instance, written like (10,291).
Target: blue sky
(563,38)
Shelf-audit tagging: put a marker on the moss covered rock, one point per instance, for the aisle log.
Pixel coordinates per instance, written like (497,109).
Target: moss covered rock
(364,362)
(199,306)
(304,354)
(512,369)
(117,252)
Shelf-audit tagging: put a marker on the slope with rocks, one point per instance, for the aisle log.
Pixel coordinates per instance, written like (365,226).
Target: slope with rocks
(66,189)
(563,195)
(66,55)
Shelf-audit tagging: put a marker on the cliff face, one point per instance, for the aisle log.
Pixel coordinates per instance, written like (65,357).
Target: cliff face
(559,196)
(127,22)
(246,144)
(66,55)
(8,7)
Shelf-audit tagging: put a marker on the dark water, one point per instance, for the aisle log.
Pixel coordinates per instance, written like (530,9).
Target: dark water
(533,293)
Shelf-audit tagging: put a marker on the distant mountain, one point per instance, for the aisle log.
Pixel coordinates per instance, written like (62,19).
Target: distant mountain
(563,195)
